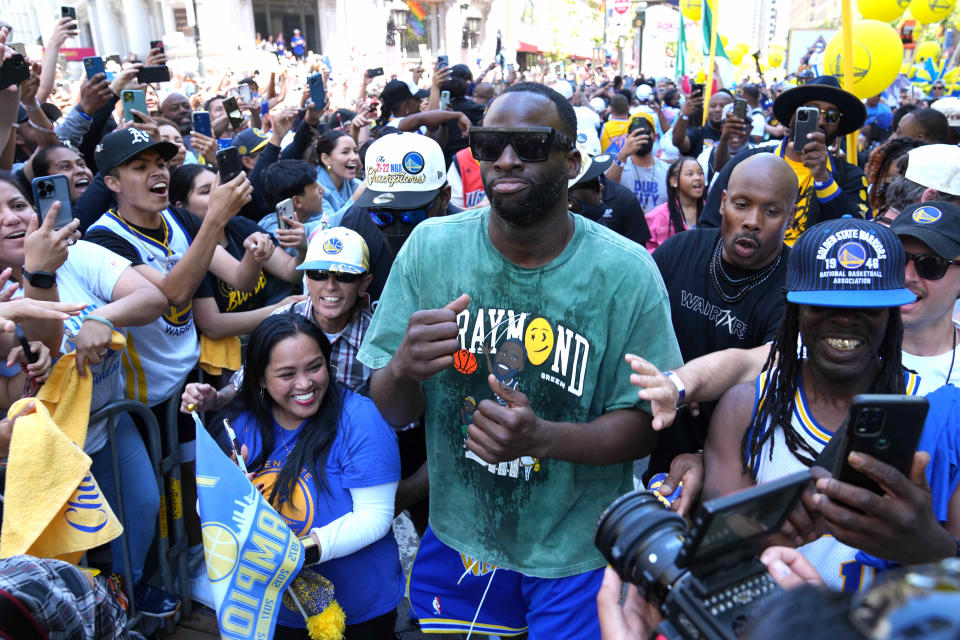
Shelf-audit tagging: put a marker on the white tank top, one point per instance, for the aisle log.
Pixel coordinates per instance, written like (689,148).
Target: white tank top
(159,355)
(835,561)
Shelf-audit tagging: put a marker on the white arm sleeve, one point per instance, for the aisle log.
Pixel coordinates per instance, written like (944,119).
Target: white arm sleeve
(369,521)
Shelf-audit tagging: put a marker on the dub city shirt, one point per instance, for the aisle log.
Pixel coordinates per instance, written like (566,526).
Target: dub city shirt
(557,334)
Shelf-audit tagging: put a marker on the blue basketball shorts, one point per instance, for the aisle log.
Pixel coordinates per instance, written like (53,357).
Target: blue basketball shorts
(452,593)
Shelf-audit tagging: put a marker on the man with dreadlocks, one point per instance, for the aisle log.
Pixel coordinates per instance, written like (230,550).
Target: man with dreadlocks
(845,283)
(724,284)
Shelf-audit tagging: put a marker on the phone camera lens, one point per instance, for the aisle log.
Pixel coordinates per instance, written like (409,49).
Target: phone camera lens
(882,442)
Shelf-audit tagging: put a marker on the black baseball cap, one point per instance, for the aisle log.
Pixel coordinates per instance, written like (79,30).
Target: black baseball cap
(121,145)
(399,91)
(936,224)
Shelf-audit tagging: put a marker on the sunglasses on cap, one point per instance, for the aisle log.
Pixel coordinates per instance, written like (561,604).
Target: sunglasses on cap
(531,144)
(929,266)
(339,276)
(386,217)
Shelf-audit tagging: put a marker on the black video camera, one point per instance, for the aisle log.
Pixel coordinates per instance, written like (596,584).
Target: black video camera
(711,583)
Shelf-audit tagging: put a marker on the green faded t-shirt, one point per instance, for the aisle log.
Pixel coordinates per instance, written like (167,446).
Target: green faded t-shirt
(556,333)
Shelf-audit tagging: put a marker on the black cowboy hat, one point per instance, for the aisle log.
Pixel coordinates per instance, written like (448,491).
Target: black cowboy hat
(825,88)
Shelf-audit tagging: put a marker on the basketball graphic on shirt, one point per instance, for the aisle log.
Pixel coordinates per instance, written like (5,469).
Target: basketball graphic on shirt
(220,549)
(298,510)
(464,362)
(178,316)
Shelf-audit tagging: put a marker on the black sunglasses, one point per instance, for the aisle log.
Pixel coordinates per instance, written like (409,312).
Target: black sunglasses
(929,266)
(531,144)
(832,116)
(339,276)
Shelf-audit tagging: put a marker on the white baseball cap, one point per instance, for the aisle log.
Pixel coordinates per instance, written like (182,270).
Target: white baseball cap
(950,107)
(592,162)
(403,171)
(935,166)
(564,88)
(598,104)
(337,249)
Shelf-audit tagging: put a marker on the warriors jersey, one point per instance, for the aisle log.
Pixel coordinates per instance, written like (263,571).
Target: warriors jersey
(835,561)
(159,355)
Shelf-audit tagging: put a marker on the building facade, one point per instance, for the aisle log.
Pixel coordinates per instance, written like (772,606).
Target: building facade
(814,13)
(391,31)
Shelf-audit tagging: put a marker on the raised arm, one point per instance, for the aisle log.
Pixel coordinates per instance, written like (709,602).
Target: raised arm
(181,282)
(704,379)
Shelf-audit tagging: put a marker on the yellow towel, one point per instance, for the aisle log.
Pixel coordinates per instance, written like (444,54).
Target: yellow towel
(217,355)
(53,507)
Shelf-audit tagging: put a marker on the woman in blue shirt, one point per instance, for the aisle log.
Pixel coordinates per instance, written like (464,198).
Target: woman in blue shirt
(329,464)
(337,174)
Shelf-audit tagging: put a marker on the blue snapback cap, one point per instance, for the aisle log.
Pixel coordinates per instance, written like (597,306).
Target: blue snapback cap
(847,262)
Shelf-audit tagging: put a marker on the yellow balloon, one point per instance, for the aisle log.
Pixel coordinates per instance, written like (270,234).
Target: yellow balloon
(691,9)
(927,11)
(883,10)
(735,55)
(907,69)
(774,59)
(877,55)
(924,50)
(779,48)
(724,40)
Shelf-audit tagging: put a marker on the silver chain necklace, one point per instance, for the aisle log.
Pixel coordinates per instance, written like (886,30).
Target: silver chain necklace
(745,284)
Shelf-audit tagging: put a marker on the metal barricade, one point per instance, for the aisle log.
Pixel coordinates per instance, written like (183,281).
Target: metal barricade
(111,413)
(173,497)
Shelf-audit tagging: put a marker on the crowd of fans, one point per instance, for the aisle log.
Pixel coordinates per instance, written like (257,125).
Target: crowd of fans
(477,295)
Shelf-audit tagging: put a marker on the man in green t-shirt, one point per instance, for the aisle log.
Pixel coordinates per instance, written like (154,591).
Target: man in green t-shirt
(512,323)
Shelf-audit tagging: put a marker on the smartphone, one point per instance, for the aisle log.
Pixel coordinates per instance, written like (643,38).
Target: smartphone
(444,100)
(156,44)
(806,120)
(638,123)
(285,210)
(201,123)
(443,62)
(19,47)
(740,108)
(50,189)
(886,427)
(243,90)
(22,337)
(14,71)
(695,88)
(94,65)
(68,12)
(133,99)
(373,73)
(318,94)
(156,73)
(228,161)
(233,111)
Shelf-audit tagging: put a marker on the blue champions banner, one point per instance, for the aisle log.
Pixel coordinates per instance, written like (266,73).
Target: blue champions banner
(252,555)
